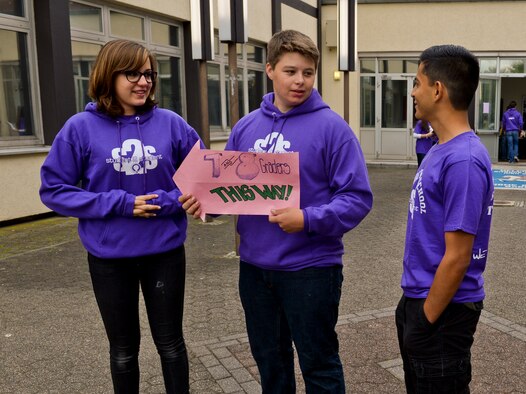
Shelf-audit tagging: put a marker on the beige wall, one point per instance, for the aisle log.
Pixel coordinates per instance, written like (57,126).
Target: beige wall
(487,26)
(21,175)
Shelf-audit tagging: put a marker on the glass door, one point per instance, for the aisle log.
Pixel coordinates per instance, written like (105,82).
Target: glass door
(396,118)
(487,122)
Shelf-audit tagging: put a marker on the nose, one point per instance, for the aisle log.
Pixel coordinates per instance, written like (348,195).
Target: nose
(299,78)
(142,79)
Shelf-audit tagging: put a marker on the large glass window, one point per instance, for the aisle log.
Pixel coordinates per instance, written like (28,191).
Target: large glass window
(251,84)
(17,79)
(91,22)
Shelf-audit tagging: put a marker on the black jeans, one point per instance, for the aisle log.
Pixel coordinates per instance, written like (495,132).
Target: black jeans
(437,357)
(116,286)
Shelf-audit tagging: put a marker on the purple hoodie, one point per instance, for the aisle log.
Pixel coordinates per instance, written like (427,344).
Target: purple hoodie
(335,191)
(98,164)
(512,120)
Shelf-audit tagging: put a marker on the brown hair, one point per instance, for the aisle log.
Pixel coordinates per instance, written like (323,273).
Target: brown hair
(289,41)
(115,57)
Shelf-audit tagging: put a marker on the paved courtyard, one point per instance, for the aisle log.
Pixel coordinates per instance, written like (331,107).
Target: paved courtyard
(52,339)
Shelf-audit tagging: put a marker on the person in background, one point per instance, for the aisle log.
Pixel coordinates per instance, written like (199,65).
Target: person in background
(111,166)
(448,229)
(290,274)
(425,139)
(512,123)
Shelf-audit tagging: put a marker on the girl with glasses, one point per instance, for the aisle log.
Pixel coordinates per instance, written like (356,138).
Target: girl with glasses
(111,166)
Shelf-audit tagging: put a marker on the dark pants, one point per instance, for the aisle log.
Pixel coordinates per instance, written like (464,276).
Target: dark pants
(116,285)
(420,157)
(301,307)
(437,357)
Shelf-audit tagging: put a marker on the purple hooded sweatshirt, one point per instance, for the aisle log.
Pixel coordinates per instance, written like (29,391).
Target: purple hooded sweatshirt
(512,120)
(98,164)
(334,186)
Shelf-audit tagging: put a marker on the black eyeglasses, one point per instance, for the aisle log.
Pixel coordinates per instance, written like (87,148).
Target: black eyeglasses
(135,76)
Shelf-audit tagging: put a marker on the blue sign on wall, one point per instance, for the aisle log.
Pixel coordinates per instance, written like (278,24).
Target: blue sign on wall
(509,179)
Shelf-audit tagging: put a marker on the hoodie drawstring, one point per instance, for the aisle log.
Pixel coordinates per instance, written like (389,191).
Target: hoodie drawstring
(137,118)
(120,154)
(280,133)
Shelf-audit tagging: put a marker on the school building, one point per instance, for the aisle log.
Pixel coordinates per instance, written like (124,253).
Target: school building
(47,49)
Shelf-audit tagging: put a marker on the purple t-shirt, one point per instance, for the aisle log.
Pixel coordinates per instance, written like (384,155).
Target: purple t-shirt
(452,190)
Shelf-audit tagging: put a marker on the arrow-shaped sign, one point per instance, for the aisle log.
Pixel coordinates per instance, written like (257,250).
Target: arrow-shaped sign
(246,183)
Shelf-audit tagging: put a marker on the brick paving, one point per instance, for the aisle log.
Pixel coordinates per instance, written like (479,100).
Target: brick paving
(52,339)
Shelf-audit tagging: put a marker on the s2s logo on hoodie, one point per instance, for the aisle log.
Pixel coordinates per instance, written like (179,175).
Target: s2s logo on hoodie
(273,143)
(134,159)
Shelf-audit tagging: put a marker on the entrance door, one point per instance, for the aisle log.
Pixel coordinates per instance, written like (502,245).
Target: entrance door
(487,114)
(393,127)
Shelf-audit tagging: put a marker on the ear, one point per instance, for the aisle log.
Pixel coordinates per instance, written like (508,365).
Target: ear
(269,70)
(439,90)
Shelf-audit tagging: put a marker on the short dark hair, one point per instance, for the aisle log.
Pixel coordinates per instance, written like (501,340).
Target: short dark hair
(115,57)
(290,41)
(457,68)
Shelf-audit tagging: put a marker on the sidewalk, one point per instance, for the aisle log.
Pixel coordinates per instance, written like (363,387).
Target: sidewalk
(52,339)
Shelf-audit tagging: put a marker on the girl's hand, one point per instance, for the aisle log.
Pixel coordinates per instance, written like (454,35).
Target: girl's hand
(142,208)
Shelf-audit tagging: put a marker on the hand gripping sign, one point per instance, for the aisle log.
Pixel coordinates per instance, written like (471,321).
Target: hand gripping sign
(247,183)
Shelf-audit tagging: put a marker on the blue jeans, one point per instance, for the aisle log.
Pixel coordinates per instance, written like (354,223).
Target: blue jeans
(513,144)
(437,357)
(282,307)
(116,286)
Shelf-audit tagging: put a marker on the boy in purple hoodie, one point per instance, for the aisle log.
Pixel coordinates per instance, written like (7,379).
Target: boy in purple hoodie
(291,261)
(448,227)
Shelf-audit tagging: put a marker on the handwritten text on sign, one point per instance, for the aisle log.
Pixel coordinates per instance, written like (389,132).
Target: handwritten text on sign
(231,182)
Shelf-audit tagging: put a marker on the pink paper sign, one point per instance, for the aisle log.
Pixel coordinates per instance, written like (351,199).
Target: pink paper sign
(248,183)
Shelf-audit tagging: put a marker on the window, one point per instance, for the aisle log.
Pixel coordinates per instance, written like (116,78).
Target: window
(397,66)
(92,25)
(85,17)
(84,55)
(488,66)
(367,102)
(511,66)
(251,83)
(367,92)
(17,95)
(487,104)
(126,26)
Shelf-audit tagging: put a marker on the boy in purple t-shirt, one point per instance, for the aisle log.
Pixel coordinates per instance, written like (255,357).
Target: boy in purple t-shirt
(448,228)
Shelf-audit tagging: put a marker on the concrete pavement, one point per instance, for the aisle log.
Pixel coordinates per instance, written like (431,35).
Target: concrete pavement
(52,339)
